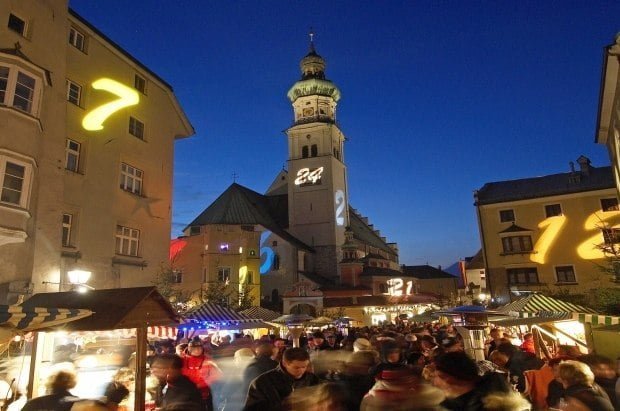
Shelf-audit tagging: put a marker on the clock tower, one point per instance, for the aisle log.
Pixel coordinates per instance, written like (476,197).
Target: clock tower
(317,183)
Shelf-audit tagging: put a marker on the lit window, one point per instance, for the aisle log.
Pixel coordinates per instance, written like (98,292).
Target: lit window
(72,156)
(74,92)
(17,25)
(506,216)
(67,222)
(252,253)
(565,274)
(609,204)
(131,179)
(127,241)
(139,84)
(224,247)
(553,210)
(76,38)
(16,177)
(518,276)
(136,128)
(517,244)
(223,274)
(19,89)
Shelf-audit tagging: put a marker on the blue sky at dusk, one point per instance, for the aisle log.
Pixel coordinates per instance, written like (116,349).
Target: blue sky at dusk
(438,97)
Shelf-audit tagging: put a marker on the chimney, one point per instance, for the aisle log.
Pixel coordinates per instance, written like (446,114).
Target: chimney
(572,166)
(584,165)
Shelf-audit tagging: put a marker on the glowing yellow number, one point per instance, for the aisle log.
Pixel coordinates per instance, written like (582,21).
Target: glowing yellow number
(127,97)
(554,226)
(591,248)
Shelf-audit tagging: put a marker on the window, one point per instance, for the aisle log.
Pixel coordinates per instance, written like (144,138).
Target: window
(139,83)
(314,150)
(76,38)
(13,177)
(136,128)
(611,235)
(224,247)
(17,25)
(205,275)
(67,223)
(131,179)
(72,155)
(177,276)
(194,230)
(517,244)
(223,274)
(383,288)
(249,277)
(553,210)
(276,261)
(74,92)
(609,204)
(18,89)
(127,241)
(506,216)
(252,253)
(304,152)
(565,274)
(518,276)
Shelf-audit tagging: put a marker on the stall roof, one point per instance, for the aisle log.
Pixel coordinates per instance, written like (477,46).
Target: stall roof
(260,312)
(114,308)
(510,322)
(213,313)
(534,303)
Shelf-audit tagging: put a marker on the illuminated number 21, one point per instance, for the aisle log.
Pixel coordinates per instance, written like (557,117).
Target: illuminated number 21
(127,97)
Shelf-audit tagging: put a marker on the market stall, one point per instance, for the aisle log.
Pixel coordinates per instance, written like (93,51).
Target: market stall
(97,347)
(217,321)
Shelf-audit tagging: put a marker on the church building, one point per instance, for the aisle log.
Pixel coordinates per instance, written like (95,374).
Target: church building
(301,243)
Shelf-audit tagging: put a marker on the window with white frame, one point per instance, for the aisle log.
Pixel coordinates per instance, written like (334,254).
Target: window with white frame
(67,224)
(131,179)
(223,274)
(74,93)
(19,89)
(17,24)
(565,274)
(16,177)
(77,38)
(127,241)
(136,128)
(139,83)
(72,155)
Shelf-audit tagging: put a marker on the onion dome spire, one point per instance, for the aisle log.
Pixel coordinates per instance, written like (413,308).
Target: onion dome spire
(312,65)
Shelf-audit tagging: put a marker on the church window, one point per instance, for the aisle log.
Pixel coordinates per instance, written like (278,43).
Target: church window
(314,150)
(304,152)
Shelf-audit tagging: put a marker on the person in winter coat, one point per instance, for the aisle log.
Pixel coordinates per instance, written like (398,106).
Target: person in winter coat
(261,363)
(392,358)
(59,399)
(579,388)
(198,367)
(175,391)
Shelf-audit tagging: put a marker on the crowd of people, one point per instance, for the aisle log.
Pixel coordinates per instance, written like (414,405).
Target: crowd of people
(392,367)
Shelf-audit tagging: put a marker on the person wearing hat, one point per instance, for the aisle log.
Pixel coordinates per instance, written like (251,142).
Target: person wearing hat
(391,358)
(199,368)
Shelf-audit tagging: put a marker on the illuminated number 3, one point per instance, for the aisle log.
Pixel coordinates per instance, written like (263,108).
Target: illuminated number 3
(127,97)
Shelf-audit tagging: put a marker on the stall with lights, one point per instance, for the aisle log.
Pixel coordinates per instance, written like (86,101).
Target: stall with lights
(216,321)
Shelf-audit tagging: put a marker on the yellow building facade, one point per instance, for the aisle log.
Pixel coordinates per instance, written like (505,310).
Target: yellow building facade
(549,234)
(86,145)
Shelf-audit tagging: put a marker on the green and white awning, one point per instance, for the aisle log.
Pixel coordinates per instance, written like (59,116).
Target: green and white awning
(536,303)
(596,319)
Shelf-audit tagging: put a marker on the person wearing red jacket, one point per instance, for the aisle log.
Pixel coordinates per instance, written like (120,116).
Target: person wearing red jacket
(198,367)
(528,344)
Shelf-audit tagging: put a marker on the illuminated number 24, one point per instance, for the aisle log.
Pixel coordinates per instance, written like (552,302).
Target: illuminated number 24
(93,120)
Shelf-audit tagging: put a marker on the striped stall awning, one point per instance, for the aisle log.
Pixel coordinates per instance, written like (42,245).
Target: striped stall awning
(217,315)
(535,303)
(162,332)
(34,318)
(260,312)
(596,319)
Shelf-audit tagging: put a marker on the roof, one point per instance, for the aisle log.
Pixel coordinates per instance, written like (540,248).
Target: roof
(240,205)
(514,229)
(535,303)
(475,262)
(260,312)
(365,234)
(382,272)
(426,272)
(213,313)
(599,178)
(36,318)
(112,308)
(380,300)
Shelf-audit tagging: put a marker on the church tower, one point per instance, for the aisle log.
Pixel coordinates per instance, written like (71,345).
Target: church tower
(317,183)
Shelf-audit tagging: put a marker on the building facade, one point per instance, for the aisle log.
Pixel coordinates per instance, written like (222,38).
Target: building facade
(86,139)
(550,234)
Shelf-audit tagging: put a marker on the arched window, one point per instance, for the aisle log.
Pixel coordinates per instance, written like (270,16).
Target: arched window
(314,150)
(275,296)
(304,152)
(276,262)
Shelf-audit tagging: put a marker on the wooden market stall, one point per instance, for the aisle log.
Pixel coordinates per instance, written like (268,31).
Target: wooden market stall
(121,316)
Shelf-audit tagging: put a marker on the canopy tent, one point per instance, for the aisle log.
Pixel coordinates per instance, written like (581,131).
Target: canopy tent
(293,319)
(537,319)
(321,321)
(216,316)
(260,312)
(535,303)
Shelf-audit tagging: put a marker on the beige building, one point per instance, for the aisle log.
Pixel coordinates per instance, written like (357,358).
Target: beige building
(608,122)
(548,233)
(433,280)
(86,147)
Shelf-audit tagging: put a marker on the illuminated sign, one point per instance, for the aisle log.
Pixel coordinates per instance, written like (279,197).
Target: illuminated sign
(94,119)
(305,176)
(593,248)
(340,205)
(552,226)
(395,287)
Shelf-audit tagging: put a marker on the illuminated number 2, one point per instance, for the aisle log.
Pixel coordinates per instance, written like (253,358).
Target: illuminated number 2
(340,205)
(127,97)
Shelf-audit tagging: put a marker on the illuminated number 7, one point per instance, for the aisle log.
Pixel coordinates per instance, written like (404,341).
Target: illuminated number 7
(127,97)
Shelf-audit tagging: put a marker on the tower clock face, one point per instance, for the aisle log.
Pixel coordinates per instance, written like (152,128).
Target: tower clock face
(308,111)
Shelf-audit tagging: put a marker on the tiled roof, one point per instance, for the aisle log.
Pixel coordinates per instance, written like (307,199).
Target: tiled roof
(382,272)
(365,234)
(240,205)
(425,272)
(318,279)
(598,178)
(476,261)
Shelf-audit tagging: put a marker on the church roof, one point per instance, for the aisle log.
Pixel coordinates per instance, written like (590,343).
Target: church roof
(240,205)
(365,234)
(382,272)
(597,178)
(425,272)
